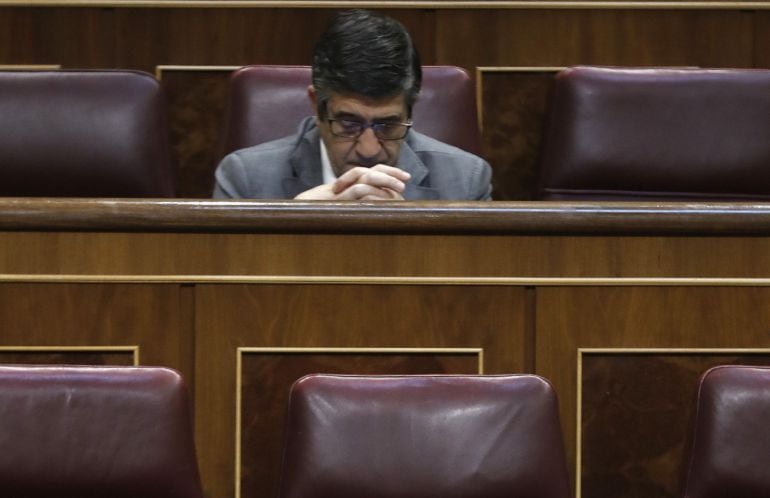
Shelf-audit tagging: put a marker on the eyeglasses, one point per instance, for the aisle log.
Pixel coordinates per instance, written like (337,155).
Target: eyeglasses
(351,128)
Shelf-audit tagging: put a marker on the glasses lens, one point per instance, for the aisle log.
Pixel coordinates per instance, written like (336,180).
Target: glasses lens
(390,131)
(346,128)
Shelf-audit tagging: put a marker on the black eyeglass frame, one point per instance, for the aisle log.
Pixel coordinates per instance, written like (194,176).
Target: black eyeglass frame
(364,125)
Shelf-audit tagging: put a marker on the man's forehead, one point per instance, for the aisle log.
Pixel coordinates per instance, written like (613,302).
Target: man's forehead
(367,107)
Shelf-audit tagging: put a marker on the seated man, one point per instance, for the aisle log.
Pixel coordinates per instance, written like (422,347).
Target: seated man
(358,146)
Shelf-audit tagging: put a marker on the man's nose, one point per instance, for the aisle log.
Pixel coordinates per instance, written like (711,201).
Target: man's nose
(368,145)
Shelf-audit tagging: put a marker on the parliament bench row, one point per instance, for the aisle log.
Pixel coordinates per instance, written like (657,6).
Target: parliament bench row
(611,133)
(91,431)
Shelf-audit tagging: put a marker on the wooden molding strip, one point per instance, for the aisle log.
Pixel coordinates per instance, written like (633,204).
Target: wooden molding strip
(424,217)
(397,4)
(134,350)
(369,280)
(29,67)
(166,68)
(588,351)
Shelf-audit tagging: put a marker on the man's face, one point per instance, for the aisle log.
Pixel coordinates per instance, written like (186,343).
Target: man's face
(366,150)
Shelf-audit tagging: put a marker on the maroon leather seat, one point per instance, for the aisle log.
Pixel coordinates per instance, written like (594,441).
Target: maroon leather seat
(730,447)
(657,134)
(95,432)
(83,134)
(427,436)
(268,102)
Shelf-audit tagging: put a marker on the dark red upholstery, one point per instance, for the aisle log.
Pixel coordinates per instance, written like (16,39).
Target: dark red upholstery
(658,134)
(730,447)
(95,432)
(268,102)
(425,436)
(83,134)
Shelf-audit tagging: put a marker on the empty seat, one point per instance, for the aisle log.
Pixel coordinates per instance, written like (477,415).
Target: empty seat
(730,443)
(657,134)
(83,134)
(427,436)
(268,102)
(95,432)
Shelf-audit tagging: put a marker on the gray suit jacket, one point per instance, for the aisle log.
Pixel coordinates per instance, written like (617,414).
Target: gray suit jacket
(283,168)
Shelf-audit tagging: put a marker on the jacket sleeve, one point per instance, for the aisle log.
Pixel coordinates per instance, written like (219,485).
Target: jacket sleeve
(230,178)
(482,182)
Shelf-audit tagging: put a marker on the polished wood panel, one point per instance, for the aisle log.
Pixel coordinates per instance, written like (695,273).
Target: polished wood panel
(53,355)
(638,317)
(193,257)
(762,39)
(150,318)
(542,37)
(532,240)
(70,37)
(142,38)
(513,104)
(196,100)
(636,412)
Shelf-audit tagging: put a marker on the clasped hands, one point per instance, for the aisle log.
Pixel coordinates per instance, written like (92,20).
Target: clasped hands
(378,183)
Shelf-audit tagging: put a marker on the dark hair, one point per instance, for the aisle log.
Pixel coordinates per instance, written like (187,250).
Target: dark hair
(366,53)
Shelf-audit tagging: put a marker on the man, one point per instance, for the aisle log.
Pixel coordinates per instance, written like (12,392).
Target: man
(359,145)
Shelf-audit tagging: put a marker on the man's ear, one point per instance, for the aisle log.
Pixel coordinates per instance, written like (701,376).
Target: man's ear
(311,95)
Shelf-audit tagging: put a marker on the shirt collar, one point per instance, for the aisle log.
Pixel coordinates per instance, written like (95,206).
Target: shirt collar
(326,165)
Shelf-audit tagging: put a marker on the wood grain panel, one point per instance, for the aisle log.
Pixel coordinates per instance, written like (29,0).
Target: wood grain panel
(67,356)
(382,255)
(637,409)
(266,377)
(72,37)
(640,317)
(761,57)
(604,37)
(68,314)
(141,38)
(216,36)
(231,36)
(360,316)
(513,105)
(196,100)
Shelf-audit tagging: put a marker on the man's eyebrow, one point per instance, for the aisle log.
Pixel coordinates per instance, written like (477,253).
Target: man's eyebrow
(393,118)
(347,115)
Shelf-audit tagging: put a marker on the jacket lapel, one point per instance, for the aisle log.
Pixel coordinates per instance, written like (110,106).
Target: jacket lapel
(411,163)
(305,161)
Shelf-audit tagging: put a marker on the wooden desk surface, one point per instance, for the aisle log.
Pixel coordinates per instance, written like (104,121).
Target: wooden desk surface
(620,305)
